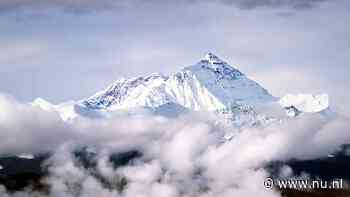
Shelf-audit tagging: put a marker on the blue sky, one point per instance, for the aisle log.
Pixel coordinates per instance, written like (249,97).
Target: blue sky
(64,50)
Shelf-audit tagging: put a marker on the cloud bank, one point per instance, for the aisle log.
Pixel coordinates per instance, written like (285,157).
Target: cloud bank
(182,156)
(95,5)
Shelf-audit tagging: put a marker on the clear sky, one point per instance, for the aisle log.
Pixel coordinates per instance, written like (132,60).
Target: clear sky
(68,49)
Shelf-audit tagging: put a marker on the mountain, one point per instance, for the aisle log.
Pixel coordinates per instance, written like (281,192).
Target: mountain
(208,85)
(211,84)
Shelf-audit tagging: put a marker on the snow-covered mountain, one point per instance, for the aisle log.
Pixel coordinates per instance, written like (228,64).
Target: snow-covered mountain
(210,84)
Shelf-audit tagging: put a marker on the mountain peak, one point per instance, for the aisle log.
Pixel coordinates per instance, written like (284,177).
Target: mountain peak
(212,58)
(212,64)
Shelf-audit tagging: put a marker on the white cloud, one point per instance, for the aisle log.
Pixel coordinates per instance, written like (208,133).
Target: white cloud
(93,5)
(183,156)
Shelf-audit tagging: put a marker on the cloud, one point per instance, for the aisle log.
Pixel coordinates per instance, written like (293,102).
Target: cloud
(34,130)
(180,156)
(68,5)
(95,5)
(296,4)
(37,130)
